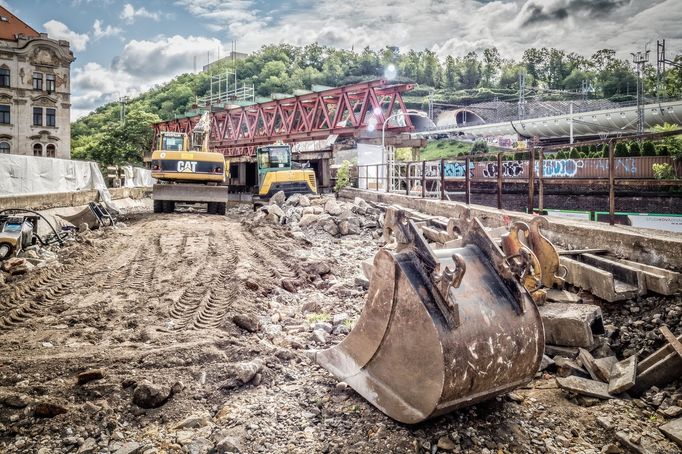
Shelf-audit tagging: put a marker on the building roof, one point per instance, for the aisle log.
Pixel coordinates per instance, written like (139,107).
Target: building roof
(11,26)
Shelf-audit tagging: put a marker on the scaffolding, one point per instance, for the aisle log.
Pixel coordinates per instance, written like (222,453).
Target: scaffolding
(224,89)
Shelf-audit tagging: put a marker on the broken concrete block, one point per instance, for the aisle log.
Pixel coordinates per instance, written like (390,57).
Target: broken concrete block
(571,325)
(673,430)
(584,386)
(558,350)
(567,367)
(658,369)
(603,367)
(623,375)
(587,360)
(630,446)
(547,363)
(562,296)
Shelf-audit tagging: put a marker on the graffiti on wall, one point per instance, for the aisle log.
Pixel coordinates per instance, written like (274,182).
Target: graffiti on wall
(510,169)
(559,168)
(628,165)
(457,169)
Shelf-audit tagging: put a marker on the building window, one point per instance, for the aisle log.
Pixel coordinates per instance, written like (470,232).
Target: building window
(37,150)
(4,77)
(50,117)
(50,83)
(50,150)
(37,81)
(4,115)
(4,148)
(37,116)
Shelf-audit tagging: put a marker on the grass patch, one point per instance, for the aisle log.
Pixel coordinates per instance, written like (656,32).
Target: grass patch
(316,318)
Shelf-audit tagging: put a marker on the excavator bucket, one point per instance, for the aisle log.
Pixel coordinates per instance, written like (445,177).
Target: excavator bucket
(440,329)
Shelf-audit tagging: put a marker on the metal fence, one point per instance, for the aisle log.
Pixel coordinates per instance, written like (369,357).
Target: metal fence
(432,178)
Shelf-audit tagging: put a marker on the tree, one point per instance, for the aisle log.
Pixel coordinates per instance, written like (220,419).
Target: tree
(470,71)
(491,64)
(535,61)
(431,69)
(450,73)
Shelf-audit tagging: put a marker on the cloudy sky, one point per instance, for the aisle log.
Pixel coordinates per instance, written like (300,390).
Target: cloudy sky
(124,46)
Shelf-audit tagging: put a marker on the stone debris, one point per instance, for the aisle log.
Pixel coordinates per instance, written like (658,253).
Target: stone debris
(49,410)
(673,430)
(240,374)
(90,375)
(623,375)
(150,395)
(247,322)
(571,325)
(603,367)
(584,387)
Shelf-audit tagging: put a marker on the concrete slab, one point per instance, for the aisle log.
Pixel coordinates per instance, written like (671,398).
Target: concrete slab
(623,375)
(603,367)
(558,350)
(571,325)
(624,439)
(597,281)
(673,430)
(658,369)
(587,360)
(568,367)
(584,386)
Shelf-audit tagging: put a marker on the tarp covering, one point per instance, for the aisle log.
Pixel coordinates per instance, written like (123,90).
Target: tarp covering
(136,177)
(24,175)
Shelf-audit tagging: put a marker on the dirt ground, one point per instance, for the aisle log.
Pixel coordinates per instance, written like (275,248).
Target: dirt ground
(197,311)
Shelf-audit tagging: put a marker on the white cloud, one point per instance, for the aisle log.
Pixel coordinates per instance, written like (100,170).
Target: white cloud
(141,65)
(129,13)
(99,32)
(58,30)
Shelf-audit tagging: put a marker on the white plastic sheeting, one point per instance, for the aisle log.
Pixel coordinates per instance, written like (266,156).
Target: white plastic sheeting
(136,177)
(21,175)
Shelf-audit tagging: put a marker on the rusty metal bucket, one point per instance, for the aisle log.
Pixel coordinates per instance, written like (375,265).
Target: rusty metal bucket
(439,330)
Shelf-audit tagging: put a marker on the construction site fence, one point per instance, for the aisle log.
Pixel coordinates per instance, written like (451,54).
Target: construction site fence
(538,169)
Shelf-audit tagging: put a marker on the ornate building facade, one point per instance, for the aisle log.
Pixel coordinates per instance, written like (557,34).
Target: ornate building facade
(34,91)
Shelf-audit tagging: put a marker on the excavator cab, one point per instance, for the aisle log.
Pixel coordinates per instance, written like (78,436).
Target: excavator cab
(276,172)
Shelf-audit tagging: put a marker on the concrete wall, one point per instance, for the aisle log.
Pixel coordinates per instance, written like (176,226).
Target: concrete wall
(68,199)
(651,247)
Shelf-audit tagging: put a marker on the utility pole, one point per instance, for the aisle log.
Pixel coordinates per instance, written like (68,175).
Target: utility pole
(640,59)
(661,61)
(522,95)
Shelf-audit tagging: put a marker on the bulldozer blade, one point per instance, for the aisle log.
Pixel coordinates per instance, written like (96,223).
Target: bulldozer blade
(413,363)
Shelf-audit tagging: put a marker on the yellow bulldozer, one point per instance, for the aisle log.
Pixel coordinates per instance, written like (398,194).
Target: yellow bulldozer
(187,171)
(277,172)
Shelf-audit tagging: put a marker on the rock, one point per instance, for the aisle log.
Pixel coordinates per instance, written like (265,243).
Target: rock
(623,375)
(567,367)
(360,203)
(294,199)
(557,350)
(562,296)
(304,201)
(571,325)
(199,445)
(194,422)
(240,374)
(15,400)
(587,361)
(310,306)
(515,397)
(228,444)
(362,281)
(329,226)
(275,209)
(626,441)
(247,322)
(48,410)
(339,318)
(605,422)
(319,336)
(308,219)
(603,367)
(319,267)
(150,395)
(673,430)
(547,363)
(332,207)
(341,386)
(584,387)
(16,266)
(289,285)
(324,326)
(90,375)
(88,447)
(672,411)
(279,198)
(446,444)
(344,228)
(272,218)
(341,329)
(129,448)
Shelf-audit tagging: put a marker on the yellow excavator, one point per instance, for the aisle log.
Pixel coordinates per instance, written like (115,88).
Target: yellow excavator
(277,172)
(187,171)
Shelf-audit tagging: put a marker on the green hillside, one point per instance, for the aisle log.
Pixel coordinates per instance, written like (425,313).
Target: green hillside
(284,68)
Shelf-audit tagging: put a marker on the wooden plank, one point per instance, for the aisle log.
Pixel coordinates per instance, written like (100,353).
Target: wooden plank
(672,340)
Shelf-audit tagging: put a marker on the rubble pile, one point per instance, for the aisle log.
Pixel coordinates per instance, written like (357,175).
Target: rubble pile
(319,213)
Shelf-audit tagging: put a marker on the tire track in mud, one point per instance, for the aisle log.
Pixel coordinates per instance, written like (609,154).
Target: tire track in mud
(205,302)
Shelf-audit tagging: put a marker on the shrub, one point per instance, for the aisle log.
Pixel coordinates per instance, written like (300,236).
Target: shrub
(481,146)
(663,171)
(663,150)
(342,176)
(648,149)
(621,150)
(574,154)
(634,149)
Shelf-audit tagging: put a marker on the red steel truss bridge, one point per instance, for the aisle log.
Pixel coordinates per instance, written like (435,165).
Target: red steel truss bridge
(346,111)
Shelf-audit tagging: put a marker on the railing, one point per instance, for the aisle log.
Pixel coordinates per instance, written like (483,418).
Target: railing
(432,178)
